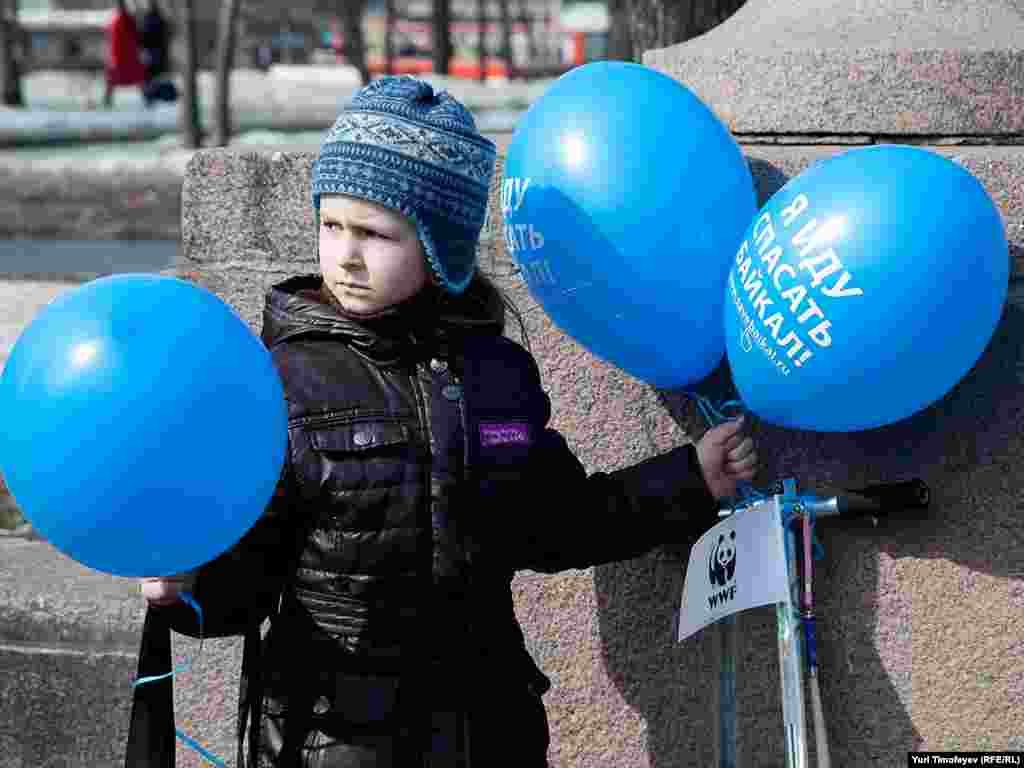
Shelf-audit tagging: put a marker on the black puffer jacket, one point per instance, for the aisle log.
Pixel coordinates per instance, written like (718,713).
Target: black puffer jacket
(421,475)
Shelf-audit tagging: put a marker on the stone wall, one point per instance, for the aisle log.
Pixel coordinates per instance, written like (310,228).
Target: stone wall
(902,606)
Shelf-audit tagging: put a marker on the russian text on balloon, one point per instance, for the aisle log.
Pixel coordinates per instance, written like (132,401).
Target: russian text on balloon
(818,261)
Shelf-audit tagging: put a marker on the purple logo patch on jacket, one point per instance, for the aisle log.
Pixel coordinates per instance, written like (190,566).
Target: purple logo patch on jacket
(505,433)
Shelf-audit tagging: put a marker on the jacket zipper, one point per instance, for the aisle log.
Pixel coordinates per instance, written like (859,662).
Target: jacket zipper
(427,470)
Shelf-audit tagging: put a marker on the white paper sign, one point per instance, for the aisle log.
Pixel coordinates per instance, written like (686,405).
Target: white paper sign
(738,564)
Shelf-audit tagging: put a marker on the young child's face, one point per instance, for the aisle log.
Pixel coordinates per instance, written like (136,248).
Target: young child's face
(370,256)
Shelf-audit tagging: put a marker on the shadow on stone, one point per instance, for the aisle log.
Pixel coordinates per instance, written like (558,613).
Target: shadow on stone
(768,178)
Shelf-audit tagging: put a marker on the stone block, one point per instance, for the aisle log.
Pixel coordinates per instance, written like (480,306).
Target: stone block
(907,68)
(63,708)
(69,639)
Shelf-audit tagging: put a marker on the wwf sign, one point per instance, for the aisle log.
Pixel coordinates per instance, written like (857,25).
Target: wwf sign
(738,564)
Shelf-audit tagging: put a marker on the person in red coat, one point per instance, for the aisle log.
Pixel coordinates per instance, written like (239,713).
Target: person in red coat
(124,63)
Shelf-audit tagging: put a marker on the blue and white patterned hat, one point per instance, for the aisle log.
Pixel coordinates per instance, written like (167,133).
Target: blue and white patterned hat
(399,144)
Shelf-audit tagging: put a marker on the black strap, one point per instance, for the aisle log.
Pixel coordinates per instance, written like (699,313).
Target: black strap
(151,727)
(250,697)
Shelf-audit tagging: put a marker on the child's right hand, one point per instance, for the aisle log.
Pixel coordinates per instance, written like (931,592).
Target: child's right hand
(727,457)
(162,591)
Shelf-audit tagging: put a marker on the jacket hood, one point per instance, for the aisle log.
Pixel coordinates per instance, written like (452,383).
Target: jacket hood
(420,327)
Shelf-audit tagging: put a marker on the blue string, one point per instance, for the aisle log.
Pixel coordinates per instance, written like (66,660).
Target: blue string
(189,741)
(718,414)
(185,738)
(715,415)
(186,598)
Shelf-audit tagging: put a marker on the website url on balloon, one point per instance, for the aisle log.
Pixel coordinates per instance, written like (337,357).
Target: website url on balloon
(750,335)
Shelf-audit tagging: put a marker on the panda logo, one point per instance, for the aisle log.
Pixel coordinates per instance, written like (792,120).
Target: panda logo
(722,562)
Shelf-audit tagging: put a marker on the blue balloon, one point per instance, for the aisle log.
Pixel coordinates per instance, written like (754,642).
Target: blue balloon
(145,425)
(623,199)
(864,290)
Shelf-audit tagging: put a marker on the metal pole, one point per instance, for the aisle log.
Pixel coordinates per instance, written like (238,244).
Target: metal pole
(727,716)
(791,655)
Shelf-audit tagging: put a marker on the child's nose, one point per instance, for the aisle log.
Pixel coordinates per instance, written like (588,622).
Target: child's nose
(349,254)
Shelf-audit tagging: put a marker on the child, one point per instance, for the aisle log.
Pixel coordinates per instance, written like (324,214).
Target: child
(420,476)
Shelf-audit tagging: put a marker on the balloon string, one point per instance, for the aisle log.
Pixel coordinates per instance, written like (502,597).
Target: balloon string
(747,494)
(719,414)
(186,597)
(196,746)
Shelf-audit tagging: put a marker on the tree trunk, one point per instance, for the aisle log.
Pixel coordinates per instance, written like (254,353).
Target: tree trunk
(10,75)
(287,53)
(720,10)
(531,31)
(389,36)
(226,37)
(189,108)
(660,23)
(506,37)
(481,37)
(355,44)
(657,23)
(442,36)
(620,40)
(552,46)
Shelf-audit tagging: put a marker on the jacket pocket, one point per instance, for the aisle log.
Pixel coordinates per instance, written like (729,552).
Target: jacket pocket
(359,436)
(366,455)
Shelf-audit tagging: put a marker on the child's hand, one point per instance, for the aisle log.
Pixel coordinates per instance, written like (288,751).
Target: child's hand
(164,590)
(727,457)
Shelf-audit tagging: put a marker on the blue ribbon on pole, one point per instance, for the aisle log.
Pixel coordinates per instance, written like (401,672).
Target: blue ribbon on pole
(789,516)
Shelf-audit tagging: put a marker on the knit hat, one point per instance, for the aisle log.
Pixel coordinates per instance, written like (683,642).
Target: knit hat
(401,145)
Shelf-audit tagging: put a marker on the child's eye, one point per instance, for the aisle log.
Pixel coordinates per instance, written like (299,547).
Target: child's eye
(360,232)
